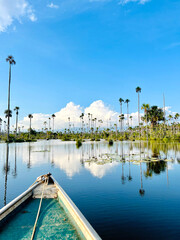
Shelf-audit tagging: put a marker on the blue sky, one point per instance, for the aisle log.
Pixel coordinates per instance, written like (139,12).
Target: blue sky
(83,51)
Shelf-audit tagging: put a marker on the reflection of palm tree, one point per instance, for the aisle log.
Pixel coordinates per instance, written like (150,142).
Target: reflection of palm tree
(29,162)
(15,168)
(122,158)
(129,177)
(141,191)
(123,178)
(6,172)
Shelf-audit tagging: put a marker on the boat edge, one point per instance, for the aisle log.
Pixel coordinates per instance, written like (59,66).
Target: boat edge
(86,228)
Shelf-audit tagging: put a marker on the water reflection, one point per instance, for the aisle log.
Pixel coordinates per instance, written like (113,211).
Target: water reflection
(104,181)
(97,158)
(6,170)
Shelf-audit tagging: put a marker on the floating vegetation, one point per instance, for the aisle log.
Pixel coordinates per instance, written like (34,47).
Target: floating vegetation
(42,151)
(109,158)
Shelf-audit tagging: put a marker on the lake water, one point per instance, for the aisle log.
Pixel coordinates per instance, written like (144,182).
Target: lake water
(121,194)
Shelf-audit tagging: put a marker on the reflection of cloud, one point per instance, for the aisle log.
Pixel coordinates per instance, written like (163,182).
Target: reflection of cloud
(170,166)
(100,170)
(62,155)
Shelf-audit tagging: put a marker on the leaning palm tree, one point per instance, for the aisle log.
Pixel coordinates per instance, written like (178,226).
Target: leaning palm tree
(30,116)
(17,112)
(11,61)
(53,116)
(121,101)
(138,90)
(127,102)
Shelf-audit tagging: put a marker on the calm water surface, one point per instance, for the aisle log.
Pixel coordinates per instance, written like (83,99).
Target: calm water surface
(121,194)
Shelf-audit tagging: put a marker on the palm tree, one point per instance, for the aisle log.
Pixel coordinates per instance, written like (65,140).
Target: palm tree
(127,102)
(49,123)
(8,114)
(138,90)
(121,101)
(45,128)
(53,116)
(131,117)
(4,127)
(145,107)
(69,120)
(0,124)
(30,116)
(81,117)
(11,61)
(89,117)
(17,112)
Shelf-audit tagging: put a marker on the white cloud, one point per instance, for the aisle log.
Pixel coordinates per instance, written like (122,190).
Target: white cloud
(11,10)
(52,5)
(98,109)
(123,2)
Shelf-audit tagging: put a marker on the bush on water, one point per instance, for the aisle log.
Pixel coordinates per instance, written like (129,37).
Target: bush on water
(78,143)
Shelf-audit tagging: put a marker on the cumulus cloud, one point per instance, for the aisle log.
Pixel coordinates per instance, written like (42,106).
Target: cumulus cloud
(98,109)
(52,5)
(11,10)
(123,2)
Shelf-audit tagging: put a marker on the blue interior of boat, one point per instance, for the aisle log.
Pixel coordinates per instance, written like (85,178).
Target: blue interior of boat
(53,222)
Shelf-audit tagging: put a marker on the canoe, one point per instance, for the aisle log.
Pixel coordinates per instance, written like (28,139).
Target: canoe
(44,211)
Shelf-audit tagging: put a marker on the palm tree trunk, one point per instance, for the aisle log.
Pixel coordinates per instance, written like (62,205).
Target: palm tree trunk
(29,127)
(121,115)
(16,123)
(53,124)
(138,109)
(127,115)
(9,102)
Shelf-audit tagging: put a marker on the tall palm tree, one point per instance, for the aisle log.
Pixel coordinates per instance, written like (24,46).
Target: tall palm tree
(49,123)
(53,116)
(11,61)
(30,116)
(127,102)
(17,112)
(138,90)
(121,101)
(81,117)
(145,107)
(69,120)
